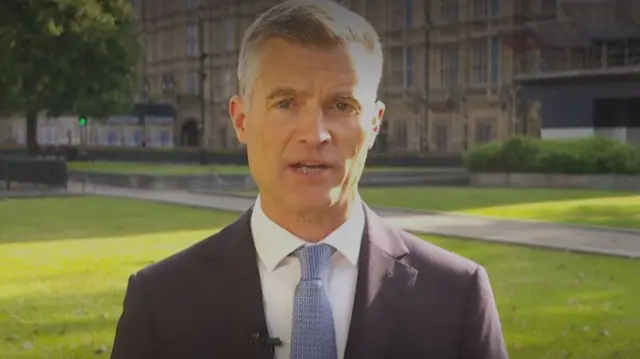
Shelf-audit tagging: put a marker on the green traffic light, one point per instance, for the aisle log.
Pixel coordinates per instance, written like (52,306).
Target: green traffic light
(82,121)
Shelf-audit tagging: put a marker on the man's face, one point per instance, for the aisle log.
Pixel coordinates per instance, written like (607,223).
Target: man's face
(310,120)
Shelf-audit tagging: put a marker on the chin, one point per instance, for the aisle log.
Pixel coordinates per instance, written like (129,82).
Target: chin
(312,199)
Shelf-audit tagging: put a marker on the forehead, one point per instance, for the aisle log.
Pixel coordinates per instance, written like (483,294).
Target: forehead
(340,68)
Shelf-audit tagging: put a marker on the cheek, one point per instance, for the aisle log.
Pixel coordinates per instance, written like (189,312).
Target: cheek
(267,136)
(352,138)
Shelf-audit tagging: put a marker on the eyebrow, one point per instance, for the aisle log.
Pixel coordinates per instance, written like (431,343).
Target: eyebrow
(290,91)
(281,92)
(345,96)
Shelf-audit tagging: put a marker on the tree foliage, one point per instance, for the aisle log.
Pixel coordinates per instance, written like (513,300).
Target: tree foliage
(67,56)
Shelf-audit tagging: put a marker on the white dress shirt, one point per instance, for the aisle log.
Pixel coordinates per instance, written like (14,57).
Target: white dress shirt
(280,273)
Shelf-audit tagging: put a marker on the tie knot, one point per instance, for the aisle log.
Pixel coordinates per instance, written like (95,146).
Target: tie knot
(314,260)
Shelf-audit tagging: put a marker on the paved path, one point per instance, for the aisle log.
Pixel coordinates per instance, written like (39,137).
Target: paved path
(625,243)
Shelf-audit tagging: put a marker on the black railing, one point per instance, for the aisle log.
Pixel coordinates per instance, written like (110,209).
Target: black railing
(33,171)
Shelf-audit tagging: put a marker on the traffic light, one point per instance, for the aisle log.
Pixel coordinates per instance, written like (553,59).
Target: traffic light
(82,121)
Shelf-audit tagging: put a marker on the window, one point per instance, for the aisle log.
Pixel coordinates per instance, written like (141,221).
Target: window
(479,62)
(408,14)
(398,16)
(486,8)
(442,137)
(167,51)
(449,66)
(449,11)
(192,40)
(192,83)
(164,138)
(193,4)
(484,133)
(146,86)
(409,68)
(374,15)
(223,138)
(495,60)
(397,62)
(227,83)
(400,131)
(495,7)
(137,137)
(218,85)
(168,83)
(548,6)
(228,34)
(112,137)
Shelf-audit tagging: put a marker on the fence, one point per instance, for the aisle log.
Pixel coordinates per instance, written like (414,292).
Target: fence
(34,171)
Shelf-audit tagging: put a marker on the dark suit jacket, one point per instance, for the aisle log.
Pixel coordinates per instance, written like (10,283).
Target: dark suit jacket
(413,300)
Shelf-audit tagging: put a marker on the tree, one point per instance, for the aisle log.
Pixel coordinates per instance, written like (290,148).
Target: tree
(66,56)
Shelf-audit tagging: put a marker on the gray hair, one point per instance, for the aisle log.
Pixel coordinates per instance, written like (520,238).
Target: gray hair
(317,23)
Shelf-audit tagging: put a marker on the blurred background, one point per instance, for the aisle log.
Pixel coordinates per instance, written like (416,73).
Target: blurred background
(512,137)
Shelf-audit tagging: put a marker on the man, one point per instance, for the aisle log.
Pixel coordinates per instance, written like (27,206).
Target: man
(309,272)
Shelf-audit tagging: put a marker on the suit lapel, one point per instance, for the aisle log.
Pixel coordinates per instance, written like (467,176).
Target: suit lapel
(383,284)
(233,294)
(230,293)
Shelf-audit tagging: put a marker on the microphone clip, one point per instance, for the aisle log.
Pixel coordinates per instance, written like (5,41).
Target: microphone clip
(258,339)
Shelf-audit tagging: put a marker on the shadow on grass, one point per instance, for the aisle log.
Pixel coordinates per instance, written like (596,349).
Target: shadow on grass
(50,219)
(454,199)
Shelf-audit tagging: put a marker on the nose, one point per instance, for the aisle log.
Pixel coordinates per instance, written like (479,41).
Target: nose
(313,130)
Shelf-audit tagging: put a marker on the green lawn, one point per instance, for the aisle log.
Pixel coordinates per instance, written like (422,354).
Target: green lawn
(168,169)
(64,263)
(601,208)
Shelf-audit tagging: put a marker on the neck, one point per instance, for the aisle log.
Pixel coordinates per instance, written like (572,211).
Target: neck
(310,225)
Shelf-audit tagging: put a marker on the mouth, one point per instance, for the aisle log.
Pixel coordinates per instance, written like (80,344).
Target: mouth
(308,167)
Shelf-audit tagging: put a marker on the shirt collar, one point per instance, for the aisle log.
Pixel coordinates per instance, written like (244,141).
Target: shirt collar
(273,243)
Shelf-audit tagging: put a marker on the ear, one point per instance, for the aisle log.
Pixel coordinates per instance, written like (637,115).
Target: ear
(238,117)
(376,122)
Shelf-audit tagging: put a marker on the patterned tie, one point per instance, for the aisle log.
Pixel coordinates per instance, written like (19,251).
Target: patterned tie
(313,335)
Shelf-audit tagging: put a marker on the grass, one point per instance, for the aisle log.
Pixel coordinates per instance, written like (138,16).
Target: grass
(187,169)
(64,263)
(600,208)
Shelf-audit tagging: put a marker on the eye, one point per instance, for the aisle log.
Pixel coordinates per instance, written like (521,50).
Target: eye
(285,104)
(342,106)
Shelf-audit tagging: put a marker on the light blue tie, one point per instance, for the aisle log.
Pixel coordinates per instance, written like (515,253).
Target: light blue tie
(313,335)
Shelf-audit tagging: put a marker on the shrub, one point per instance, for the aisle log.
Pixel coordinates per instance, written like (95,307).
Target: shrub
(590,155)
(486,158)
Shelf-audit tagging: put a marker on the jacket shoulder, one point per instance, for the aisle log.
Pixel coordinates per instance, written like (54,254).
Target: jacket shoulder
(177,264)
(425,255)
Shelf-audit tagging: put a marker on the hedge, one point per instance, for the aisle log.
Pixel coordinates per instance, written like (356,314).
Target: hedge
(591,155)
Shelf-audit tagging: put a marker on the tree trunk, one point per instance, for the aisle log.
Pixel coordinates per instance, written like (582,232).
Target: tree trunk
(32,133)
